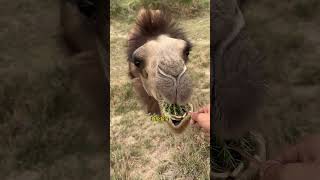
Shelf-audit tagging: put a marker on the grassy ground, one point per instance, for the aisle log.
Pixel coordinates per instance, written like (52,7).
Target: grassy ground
(140,148)
(44,129)
(290,39)
(43,126)
(126,9)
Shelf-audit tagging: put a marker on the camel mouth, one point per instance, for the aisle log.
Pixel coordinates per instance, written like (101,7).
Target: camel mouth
(175,122)
(176,114)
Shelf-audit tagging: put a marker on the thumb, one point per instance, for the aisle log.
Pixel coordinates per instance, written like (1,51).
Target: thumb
(198,117)
(194,115)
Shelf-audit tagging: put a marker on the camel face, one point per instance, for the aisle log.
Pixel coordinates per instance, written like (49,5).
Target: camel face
(162,69)
(158,55)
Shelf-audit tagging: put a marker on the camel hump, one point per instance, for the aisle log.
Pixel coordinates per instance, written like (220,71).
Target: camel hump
(78,29)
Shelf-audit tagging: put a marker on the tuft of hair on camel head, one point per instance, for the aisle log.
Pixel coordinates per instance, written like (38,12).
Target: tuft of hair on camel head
(151,23)
(158,53)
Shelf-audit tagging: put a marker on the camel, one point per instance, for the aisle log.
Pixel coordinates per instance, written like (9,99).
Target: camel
(157,58)
(238,89)
(239,86)
(82,25)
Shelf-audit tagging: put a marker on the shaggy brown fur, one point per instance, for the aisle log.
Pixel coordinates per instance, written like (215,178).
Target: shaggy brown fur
(239,84)
(149,25)
(80,35)
(78,30)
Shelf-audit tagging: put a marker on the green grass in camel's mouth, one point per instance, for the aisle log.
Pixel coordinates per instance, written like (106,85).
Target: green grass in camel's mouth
(175,113)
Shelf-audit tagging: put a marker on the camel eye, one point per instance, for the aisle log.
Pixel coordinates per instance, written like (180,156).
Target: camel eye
(137,61)
(187,53)
(187,50)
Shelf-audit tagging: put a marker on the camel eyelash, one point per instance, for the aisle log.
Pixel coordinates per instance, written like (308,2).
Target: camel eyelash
(137,61)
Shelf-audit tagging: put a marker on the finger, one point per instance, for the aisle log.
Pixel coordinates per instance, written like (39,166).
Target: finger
(205,109)
(200,117)
(201,110)
(195,116)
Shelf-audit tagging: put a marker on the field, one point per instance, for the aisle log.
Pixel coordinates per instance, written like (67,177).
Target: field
(45,130)
(289,38)
(140,148)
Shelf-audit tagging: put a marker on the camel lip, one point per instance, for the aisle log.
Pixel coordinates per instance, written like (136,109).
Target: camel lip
(176,123)
(177,120)
(177,114)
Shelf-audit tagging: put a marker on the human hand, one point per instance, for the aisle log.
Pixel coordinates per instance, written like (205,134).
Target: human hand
(201,118)
(301,161)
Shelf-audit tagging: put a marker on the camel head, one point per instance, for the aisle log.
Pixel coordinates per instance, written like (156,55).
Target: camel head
(239,82)
(157,55)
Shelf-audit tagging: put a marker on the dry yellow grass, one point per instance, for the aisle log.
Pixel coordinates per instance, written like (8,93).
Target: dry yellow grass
(290,41)
(44,131)
(140,148)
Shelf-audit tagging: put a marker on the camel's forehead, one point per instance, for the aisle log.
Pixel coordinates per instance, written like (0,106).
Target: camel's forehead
(164,43)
